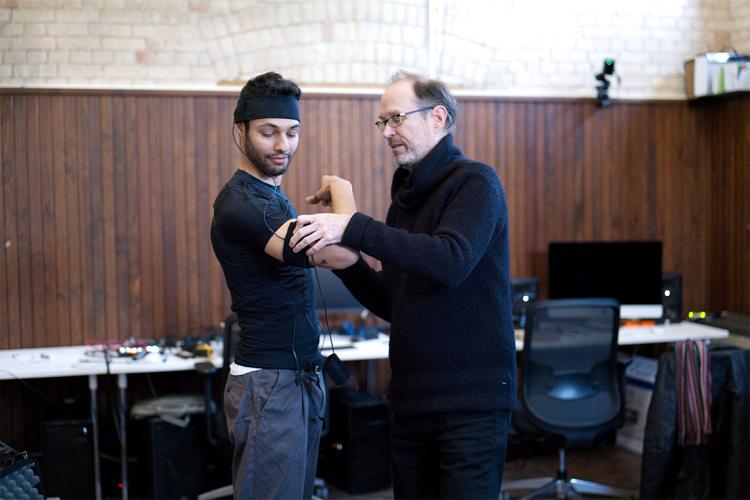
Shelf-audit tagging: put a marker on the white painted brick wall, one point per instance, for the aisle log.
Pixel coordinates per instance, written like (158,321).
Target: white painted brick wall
(514,47)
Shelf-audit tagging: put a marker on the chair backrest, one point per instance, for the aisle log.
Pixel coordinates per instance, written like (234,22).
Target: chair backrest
(570,385)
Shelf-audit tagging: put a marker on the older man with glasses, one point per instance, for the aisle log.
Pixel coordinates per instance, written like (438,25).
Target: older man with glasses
(445,288)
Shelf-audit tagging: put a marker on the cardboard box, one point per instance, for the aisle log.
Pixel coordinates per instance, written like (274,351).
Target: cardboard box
(639,385)
(715,73)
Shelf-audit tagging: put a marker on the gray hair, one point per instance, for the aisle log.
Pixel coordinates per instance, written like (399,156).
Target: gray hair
(430,92)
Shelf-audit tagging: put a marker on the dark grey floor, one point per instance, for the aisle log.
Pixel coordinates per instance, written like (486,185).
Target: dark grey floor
(613,466)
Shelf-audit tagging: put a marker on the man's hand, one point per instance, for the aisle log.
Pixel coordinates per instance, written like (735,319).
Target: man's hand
(318,230)
(336,193)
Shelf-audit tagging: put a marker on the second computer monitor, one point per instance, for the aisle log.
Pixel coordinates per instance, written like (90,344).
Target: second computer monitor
(629,271)
(335,297)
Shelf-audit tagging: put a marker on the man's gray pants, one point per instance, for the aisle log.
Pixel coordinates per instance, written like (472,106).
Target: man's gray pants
(274,419)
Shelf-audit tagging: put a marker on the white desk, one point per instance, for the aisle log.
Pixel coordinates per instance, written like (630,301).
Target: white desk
(49,362)
(632,335)
(52,362)
(67,362)
(363,350)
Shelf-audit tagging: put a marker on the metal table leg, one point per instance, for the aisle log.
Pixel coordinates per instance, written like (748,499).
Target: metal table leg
(93,385)
(122,383)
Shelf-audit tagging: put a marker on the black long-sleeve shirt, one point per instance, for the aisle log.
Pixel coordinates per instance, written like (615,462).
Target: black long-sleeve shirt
(445,284)
(274,302)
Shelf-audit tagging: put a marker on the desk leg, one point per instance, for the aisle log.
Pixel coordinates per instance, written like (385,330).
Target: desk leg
(93,386)
(370,376)
(122,384)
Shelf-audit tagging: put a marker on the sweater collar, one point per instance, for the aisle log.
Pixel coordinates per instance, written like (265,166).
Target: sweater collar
(410,186)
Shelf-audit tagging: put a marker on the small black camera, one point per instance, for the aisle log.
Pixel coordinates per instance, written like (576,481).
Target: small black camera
(602,89)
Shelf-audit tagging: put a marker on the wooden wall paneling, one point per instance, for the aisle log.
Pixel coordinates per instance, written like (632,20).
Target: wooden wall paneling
(692,220)
(740,235)
(729,251)
(158,164)
(111,206)
(374,182)
(200,245)
(89,125)
(141,196)
(354,132)
(82,122)
(166,260)
(177,214)
(69,209)
(24,283)
(191,261)
(511,173)
(58,244)
(10,307)
(122,300)
(120,246)
(4,197)
(594,190)
(46,200)
(35,228)
(542,218)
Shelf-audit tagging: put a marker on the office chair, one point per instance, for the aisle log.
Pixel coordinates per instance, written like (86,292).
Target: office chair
(217,433)
(569,386)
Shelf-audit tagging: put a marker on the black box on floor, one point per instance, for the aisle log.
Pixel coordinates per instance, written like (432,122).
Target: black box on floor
(355,454)
(68,458)
(170,459)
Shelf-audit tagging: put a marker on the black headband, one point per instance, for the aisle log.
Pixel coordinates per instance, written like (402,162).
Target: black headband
(266,106)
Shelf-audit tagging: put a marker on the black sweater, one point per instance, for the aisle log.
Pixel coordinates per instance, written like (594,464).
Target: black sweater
(445,285)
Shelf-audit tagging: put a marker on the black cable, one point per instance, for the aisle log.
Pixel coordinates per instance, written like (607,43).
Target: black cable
(323,301)
(38,392)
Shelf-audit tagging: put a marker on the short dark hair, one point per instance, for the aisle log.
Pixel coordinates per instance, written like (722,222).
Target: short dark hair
(269,84)
(431,92)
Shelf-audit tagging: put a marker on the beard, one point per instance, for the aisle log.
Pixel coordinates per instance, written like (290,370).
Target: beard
(410,156)
(263,162)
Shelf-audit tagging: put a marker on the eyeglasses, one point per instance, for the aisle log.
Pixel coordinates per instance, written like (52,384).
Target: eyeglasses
(394,121)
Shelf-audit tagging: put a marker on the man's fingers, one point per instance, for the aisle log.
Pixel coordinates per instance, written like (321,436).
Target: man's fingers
(312,200)
(300,232)
(304,243)
(317,247)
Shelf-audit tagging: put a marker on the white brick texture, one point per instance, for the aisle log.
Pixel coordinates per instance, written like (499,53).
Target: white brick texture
(513,47)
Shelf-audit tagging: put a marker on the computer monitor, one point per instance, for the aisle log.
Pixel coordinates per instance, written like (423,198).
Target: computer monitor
(629,271)
(336,296)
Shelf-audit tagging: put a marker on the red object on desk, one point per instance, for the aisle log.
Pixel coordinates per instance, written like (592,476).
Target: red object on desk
(642,322)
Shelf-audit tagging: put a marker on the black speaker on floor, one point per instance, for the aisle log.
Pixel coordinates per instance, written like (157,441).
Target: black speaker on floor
(523,292)
(68,458)
(671,297)
(171,459)
(355,455)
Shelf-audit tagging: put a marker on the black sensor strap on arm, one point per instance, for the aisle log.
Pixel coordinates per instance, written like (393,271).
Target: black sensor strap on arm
(294,259)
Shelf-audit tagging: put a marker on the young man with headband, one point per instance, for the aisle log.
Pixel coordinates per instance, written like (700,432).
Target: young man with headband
(274,398)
